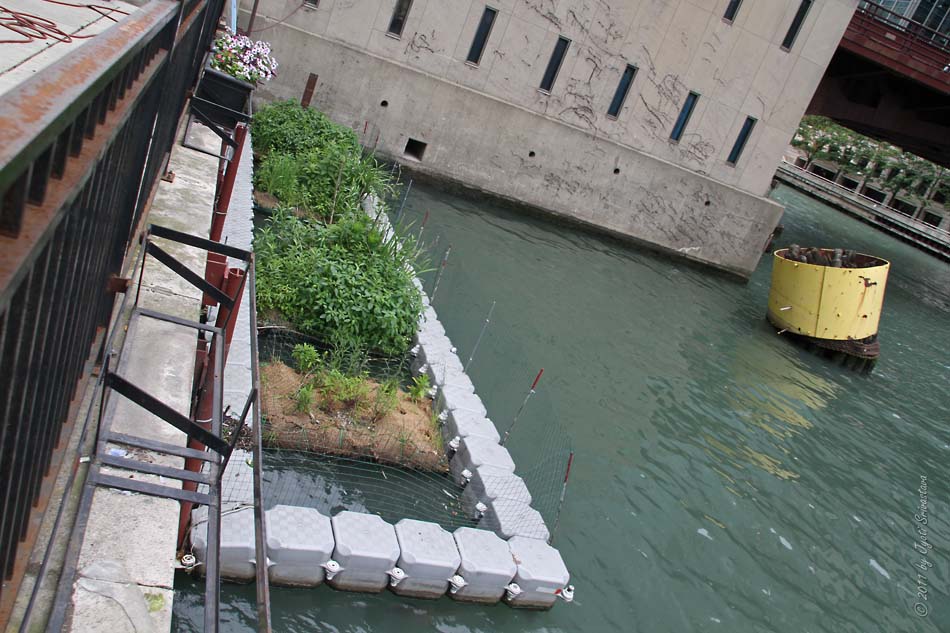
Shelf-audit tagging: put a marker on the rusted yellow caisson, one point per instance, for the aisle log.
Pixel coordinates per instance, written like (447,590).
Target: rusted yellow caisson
(830,297)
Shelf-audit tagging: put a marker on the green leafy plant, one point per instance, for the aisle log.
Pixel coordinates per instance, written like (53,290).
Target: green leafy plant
(339,283)
(279,175)
(287,127)
(419,388)
(306,356)
(303,399)
(386,399)
(342,390)
(330,271)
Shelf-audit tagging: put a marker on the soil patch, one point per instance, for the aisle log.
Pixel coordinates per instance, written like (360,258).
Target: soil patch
(266,200)
(404,433)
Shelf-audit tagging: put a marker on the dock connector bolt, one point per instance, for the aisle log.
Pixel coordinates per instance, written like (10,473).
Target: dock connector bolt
(480,510)
(454,443)
(188,561)
(456,583)
(466,476)
(512,591)
(443,417)
(566,594)
(332,568)
(415,350)
(396,576)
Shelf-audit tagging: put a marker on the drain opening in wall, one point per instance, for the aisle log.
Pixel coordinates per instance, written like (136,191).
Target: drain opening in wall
(415,149)
(384,103)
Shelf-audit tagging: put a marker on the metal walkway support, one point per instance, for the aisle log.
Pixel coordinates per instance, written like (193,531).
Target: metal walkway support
(115,450)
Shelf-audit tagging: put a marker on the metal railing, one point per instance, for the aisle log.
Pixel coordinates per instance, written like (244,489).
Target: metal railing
(933,239)
(83,144)
(918,44)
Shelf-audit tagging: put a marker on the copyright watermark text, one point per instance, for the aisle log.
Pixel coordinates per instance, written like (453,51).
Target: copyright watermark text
(922,549)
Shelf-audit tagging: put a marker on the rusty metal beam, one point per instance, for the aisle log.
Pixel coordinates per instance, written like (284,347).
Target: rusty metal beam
(38,110)
(42,220)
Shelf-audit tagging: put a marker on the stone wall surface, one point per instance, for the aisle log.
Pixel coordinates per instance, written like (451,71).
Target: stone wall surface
(490,127)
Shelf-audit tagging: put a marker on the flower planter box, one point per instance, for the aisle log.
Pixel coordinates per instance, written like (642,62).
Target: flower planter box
(222,98)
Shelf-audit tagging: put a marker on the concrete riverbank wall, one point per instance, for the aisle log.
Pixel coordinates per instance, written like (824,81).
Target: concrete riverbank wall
(661,123)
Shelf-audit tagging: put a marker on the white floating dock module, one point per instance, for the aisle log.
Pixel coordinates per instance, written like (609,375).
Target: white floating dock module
(489,483)
(429,325)
(487,566)
(441,365)
(478,451)
(461,424)
(299,542)
(541,574)
(428,560)
(366,549)
(451,398)
(509,518)
(451,374)
(237,542)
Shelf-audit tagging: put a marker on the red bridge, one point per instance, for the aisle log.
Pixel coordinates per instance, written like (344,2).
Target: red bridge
(890,79)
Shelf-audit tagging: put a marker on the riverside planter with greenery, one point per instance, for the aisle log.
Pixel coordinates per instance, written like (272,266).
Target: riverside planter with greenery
(323,266)
(889,167)
(326,272)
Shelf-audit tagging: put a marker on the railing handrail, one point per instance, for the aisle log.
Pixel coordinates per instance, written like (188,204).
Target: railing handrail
(876,206)
(874,9)
(40,108)
(920,32)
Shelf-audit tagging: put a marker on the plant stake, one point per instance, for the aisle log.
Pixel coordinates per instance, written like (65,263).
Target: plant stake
(403,204)
(438,276)
(422,228)
(560,504)
(526,398)
(479,340)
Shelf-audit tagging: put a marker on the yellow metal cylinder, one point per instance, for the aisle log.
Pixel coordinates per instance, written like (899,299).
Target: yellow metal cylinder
(825,302)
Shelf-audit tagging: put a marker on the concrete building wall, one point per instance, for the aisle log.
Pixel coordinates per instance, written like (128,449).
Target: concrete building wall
(489,125)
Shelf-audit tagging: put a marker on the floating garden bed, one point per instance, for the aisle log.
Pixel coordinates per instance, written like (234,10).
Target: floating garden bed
(332,413)
(326,271)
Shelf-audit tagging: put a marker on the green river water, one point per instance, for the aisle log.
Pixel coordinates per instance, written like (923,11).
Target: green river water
(725,480)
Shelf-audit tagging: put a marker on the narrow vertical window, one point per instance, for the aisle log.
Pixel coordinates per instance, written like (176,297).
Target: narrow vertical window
(481,35)
(554,65)
(398,21)
(741,140)
(622,89)
(683,118)
(796,24)
(731,10)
